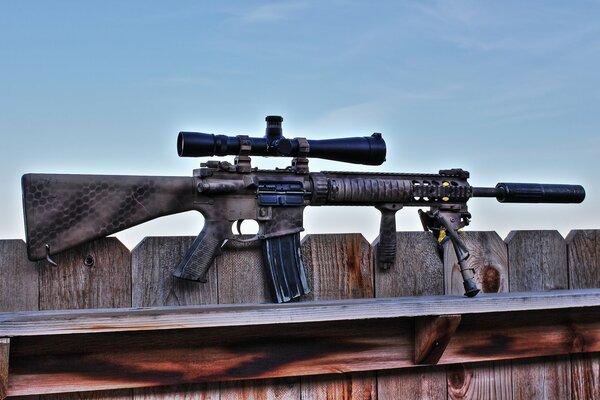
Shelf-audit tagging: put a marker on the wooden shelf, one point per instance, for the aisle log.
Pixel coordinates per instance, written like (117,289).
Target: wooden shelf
(82,350)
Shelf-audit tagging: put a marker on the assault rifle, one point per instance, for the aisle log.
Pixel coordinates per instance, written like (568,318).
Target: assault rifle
(62,211)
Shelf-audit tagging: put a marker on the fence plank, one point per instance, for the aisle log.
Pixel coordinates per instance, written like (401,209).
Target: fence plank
(538,261)
(153,261)
(19,290)
(94,275)
(583,247)
(339,267)
(4,353)
(418,271)
(19,282)
(485,381)
(490,259)
(241,279)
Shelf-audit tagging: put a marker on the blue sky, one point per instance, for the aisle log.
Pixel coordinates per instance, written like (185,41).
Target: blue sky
(508,90)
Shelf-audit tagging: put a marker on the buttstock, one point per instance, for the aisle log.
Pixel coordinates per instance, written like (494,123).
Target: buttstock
(63,211)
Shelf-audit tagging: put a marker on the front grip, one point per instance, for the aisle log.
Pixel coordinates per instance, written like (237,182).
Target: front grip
(285,268)
(197,261)
(385,250)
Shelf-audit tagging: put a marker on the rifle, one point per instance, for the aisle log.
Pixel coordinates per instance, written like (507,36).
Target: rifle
(62,211)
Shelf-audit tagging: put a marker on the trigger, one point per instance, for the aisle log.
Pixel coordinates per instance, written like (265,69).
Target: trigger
(238,226)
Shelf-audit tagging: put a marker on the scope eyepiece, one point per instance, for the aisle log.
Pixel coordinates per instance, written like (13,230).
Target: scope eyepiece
(358,150)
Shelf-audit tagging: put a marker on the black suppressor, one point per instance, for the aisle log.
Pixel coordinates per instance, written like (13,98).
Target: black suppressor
(533,193)
(358,150)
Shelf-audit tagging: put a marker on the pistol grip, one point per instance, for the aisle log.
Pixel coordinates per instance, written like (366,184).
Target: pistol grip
(385,251)
(285,268)
(197,261)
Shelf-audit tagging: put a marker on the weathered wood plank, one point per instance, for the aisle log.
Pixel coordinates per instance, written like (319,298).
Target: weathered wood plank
(241,278)
(147,359)
(418,271)
(583,247)
(432,335)
(489,258)
(584,259)
(153,358)
(93,275)
(99,395)
(64,322)
(477,383)
(339,267)
(153,261)
(4,355)
(538,261)
(241,274)
(19,290)
(19,280)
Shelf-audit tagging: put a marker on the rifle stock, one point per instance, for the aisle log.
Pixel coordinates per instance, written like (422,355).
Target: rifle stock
(62,211)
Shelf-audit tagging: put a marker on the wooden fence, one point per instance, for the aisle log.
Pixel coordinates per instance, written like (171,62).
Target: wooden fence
(105,274)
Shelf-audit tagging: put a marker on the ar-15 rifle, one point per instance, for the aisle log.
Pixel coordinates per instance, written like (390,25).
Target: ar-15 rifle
(62,211)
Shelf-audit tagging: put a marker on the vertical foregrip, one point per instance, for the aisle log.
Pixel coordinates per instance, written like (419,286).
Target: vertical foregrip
(385,252)
(197,261)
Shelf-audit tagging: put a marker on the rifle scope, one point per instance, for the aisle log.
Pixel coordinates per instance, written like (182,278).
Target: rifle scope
(358,150)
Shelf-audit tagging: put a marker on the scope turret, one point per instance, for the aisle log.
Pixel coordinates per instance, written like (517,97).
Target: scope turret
(369,150)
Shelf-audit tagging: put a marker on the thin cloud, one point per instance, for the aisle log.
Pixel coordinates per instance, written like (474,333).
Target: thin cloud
(272,12)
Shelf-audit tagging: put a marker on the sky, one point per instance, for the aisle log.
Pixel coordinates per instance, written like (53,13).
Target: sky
(507,90)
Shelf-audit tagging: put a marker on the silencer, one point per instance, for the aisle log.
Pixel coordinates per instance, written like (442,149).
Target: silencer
(539,193)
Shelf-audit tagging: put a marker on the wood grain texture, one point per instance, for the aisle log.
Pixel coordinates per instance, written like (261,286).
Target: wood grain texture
(583,248)
(69,322)
(206,391)
(486,381)
(489,258)
(339,267)
(584,259)
(542,378)
(4,355)
(538,261)
(418,271)
(147,359)
(19,290)
(106,283)
(99,395)
(432,335)
(19,282)
(241,274)
(152,358)
(153,261)
(241,279)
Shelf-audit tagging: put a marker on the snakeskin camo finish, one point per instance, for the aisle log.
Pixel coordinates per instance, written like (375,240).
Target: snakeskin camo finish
(65,210)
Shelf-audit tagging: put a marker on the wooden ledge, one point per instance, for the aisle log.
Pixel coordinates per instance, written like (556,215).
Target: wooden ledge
(44,323)
(84,350)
